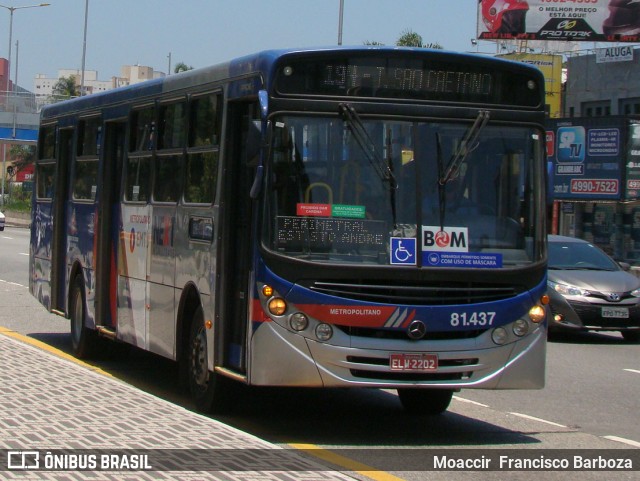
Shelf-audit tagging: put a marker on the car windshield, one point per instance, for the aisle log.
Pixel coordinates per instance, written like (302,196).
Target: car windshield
(378,191)
(578,255)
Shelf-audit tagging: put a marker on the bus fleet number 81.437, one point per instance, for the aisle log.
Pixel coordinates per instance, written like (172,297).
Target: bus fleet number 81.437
(463,319)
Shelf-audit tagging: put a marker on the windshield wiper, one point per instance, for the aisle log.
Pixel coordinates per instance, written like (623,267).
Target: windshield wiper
(367,145)
(442,198)
(467,144)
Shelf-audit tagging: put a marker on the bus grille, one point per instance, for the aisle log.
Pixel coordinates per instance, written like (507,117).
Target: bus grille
(410,376)
(363,373)
(402,334)
(440,294)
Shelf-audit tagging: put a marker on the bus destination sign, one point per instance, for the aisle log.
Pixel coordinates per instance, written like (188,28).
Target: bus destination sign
(411,77)
(298,233)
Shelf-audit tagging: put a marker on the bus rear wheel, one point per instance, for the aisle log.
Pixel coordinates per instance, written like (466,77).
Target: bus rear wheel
(83,340)
(210,391)
(429,402)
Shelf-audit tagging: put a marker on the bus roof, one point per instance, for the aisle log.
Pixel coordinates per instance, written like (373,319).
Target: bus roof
(256,63)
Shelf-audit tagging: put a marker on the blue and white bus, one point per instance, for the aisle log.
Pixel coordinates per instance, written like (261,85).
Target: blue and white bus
(343,217)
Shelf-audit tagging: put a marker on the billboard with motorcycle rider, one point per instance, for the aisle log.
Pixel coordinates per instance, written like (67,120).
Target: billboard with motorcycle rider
(563,20)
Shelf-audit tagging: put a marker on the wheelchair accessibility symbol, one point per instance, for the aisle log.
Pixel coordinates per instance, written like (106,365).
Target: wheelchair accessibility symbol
(403,251)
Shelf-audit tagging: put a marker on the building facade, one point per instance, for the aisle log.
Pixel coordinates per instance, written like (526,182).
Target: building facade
(129,74)
(603,82)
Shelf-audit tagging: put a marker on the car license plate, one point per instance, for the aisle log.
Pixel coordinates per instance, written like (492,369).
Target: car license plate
(615,312)
(413,362)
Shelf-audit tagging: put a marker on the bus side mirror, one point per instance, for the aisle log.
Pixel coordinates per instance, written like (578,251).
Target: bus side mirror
(255,137)
(253,144)
(261,152)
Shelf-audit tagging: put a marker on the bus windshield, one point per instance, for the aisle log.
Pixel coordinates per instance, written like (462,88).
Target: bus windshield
(341,189)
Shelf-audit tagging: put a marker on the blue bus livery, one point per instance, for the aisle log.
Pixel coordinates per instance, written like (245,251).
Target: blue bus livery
(340,217)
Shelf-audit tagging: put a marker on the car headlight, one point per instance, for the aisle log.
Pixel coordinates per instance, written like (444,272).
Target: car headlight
(635,293)
(568,290)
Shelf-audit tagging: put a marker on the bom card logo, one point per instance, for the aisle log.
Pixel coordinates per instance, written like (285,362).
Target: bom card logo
(448,239)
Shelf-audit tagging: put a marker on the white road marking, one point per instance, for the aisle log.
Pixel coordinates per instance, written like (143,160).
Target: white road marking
(623,440)
(526,416)
(12,283)
(632,370)
(23,253)
(470,401)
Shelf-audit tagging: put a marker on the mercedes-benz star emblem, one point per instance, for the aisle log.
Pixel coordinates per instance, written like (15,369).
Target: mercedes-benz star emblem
(416,330)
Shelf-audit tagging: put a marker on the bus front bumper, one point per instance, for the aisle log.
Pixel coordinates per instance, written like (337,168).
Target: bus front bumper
(283,358)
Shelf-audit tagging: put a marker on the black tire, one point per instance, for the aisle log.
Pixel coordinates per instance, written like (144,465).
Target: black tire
(84,341)
(210,392)
(631,336)
(425,402)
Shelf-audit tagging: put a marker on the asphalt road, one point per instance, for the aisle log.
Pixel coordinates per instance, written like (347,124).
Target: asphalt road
(590,402)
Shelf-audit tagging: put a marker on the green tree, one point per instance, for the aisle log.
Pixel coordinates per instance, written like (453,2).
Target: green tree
(409,38)
(65,88)
(182,67)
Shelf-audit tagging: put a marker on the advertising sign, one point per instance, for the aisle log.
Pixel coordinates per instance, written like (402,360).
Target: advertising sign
(586,158)
(615,54)
(563,20)
(633,161)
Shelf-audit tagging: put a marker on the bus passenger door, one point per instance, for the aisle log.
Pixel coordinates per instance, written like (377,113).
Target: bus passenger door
(236,253)
(108,229)
(59,237)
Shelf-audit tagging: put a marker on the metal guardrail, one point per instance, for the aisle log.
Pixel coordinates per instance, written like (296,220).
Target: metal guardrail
(26,102)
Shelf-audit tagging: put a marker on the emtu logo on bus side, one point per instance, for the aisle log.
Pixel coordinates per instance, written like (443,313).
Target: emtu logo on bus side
(449,239)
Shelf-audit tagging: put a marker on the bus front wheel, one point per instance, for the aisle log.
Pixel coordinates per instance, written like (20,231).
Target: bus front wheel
(83,339)
(209,390)
(427,402)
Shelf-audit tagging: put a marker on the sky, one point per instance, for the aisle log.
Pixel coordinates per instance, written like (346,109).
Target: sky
(205,32)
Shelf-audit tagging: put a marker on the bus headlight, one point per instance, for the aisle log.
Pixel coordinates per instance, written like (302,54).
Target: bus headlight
(277,306)
(499,335)
(520,327)
(324,332)
(537,314)
(298,321)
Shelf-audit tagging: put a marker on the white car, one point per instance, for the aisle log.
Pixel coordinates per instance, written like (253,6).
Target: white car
(1,221)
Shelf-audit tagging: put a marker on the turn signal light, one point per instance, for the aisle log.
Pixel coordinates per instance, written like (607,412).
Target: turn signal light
(277,306)
(267,291)
(537,314)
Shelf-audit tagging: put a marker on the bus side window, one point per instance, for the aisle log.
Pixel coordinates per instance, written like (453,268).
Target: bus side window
(85,180)
(47,142)
(138,173)
(45,180)
(205,120)
(169,155)
(143,128)
(142,132)
(201,169)
(172,126)
(89,136)
(45,171)
(167,178)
